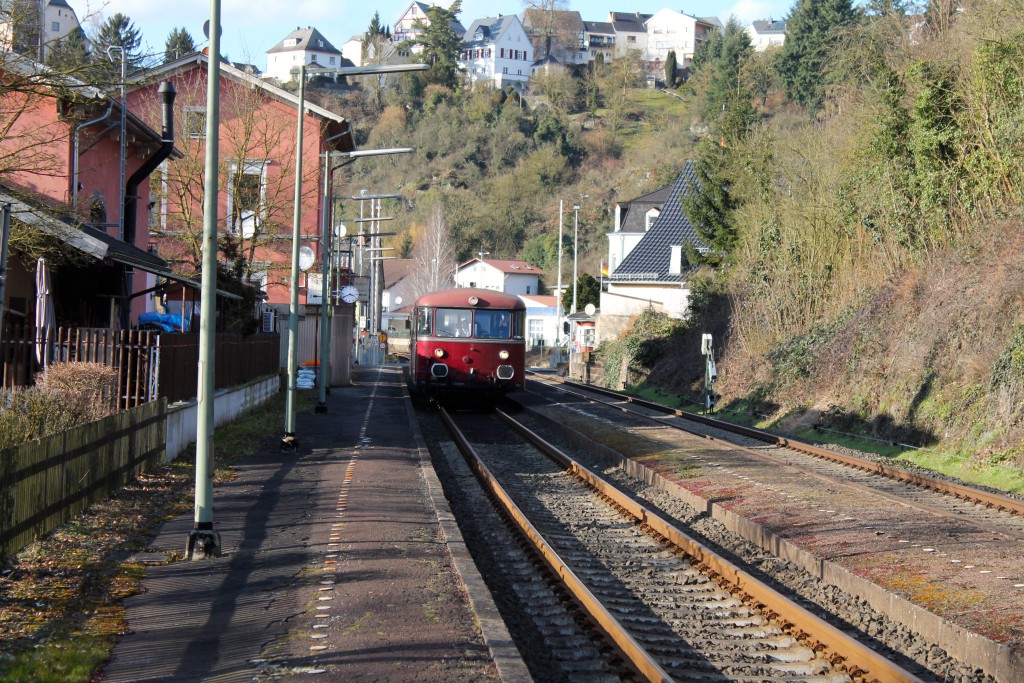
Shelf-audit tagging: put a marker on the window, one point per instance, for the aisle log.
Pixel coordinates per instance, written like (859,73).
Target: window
(247,189)
(630,39)
(504,70)
(503,53)
(423,319)
(332,61)
(55,26)
(492,324)
(535,332)
(195,122)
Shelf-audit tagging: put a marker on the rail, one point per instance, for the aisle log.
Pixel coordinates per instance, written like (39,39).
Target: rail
(987,498)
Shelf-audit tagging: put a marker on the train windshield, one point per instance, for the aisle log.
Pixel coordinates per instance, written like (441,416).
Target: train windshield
(453,322)
(493,324)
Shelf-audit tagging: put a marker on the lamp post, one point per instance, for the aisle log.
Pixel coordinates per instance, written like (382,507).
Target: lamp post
(203,541)
(561,214)
(575,252)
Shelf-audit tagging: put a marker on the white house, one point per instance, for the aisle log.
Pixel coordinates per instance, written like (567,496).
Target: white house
(40,25)
(541,320)
(630,31)
(511,277)
(655,272)
(633,220)
(599,39)
(764,33)
(496,51)
(669,30)
(303,46)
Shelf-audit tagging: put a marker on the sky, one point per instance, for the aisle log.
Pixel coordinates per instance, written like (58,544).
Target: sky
(251,27)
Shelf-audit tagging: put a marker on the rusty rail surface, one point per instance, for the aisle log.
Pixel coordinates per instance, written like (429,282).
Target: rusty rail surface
(859,660)
(963,492)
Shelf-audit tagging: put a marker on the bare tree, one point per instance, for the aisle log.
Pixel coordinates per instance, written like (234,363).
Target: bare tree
(435,256)
(545,22)
(256,174)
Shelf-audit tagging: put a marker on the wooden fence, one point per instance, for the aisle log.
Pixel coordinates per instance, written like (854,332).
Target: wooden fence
(237,360)
(150,364)
(45,483)
(131,352)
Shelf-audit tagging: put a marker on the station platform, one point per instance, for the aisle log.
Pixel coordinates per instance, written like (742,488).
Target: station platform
(340,561)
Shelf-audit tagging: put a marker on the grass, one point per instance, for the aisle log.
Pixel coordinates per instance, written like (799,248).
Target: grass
(60,597)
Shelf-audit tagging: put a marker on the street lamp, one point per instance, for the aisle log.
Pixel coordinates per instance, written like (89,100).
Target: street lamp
(576,250)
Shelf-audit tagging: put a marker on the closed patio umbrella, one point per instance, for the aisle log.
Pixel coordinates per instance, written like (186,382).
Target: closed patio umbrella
(46,322)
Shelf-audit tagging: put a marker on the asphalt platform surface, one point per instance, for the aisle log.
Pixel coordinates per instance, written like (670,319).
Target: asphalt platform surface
(340,561)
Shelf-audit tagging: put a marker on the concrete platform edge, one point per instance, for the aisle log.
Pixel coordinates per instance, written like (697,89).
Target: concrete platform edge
(506,656)
(996,659)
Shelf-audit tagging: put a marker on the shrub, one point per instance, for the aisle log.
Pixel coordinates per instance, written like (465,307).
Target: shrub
(66,395)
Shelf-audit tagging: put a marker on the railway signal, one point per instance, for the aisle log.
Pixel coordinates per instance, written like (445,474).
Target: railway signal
(710,373)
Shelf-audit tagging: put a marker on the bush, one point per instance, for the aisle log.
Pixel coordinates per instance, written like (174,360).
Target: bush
(66,395)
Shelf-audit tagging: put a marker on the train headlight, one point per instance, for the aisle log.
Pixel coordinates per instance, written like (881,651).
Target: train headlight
(503,354)
(438,353)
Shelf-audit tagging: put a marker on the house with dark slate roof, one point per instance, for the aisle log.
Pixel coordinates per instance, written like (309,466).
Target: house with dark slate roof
(765,33)
(647,255)
(304,46)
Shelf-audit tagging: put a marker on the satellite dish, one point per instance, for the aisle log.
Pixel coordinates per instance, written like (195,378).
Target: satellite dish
(340,230)
(589,309)
(206,29)
(306,258)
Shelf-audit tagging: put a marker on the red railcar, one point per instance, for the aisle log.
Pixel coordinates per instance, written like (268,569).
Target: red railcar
(467,342)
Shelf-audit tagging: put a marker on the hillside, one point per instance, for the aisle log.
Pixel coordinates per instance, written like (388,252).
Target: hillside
(866,228)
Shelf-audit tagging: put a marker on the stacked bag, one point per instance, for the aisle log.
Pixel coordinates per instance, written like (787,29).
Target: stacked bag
(306,378)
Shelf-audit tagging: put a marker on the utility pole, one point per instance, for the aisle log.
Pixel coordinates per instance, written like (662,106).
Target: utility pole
(290,442)
(203,541)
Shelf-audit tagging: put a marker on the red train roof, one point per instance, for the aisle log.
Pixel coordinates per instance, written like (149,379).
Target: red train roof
(459,298)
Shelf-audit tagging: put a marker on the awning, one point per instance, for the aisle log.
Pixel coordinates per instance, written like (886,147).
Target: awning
(95,243)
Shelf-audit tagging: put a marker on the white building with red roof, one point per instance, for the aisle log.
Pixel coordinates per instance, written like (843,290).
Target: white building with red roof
(511,277)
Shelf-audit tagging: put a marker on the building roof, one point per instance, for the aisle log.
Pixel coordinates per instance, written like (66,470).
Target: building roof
(396,270)
(58,3)
(487,30)
(632,218)
(509,267)
(650,259)
(629,21)
(308,39)
(538,301)
(599,27)
(202,60)
(768,26)
(565,20)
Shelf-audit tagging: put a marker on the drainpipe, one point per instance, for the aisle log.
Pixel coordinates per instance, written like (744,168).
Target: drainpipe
(74,162)
(131,188)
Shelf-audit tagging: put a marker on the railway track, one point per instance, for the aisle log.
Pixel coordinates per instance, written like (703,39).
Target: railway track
(995,513)
(673,608)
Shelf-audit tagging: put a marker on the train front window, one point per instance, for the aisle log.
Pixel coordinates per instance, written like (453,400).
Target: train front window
(493,324)
(453,322)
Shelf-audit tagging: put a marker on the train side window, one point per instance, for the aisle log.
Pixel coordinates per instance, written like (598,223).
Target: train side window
(518,324)
(423,320)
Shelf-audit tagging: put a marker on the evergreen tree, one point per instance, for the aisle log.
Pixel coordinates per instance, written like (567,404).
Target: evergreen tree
(711,206)
(588,291)
(441,45)
(375,28)
(811,29)
(117,31)
(670,69)
(70,53)
(179,43)
(716,69)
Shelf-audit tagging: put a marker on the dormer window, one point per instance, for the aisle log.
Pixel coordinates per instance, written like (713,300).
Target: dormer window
(675,263)
(649,218)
